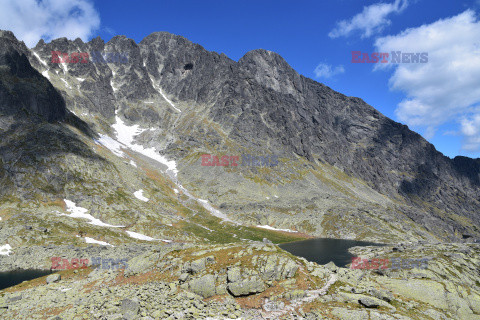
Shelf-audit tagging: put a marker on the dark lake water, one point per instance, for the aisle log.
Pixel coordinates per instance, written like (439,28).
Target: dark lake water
(322,250)
(11,278)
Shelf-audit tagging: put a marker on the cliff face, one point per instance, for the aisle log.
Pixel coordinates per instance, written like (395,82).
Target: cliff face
(263,103)
(22,88)
(307,118)
(344,167)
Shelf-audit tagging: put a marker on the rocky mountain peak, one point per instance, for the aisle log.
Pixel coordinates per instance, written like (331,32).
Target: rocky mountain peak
(272,71)
(95,42)
(40,44)
(262,56)
(8,35)
(165,37)
(8,41)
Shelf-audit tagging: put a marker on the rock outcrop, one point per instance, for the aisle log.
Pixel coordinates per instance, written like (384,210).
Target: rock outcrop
(236,287)
(23,90)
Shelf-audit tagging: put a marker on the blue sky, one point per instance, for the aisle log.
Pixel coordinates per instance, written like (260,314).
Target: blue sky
(439,99)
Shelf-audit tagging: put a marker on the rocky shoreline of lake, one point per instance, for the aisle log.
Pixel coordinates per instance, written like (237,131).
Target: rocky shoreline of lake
(249,281)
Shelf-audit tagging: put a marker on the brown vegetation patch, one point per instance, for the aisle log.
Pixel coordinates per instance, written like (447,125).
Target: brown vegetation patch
(55,311)
(147,277)
(55,203)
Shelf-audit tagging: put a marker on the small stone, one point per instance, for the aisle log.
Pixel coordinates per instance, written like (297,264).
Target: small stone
(233,274)
(184,277)
(130,308)
(3,303)
(381,294)
(301,312)
(194,267)
(15,298)
(290,269)
(368,302)
(221,289)
(53,278)
(204,286)
(210,259)
(246,287)
(331,266)
(158,314)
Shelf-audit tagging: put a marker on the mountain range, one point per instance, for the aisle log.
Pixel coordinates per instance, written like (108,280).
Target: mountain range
(106,159)
(345,170)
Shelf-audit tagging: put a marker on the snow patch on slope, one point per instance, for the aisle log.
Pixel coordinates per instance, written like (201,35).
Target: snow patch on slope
(63,65)
(165,97)
(5,250)
(111,144)
(91,240)
(40,59)
(215,212)
(79,212)
(139,195)
(125,139)
(45,74)
(111,82)
(126,135)
(275,229)
(140,236)
(66,83)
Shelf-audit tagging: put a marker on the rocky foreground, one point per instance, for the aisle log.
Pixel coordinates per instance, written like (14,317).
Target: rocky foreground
(252,280)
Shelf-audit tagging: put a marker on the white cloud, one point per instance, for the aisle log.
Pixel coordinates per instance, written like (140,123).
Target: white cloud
(371,20)
(447,86)
(326,71)
(470,128)
(31,20)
